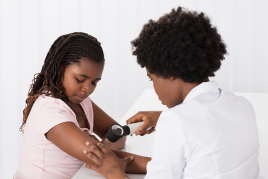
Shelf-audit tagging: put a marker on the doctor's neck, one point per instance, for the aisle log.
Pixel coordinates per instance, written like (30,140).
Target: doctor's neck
(184,88)
(187,88)
(171,91)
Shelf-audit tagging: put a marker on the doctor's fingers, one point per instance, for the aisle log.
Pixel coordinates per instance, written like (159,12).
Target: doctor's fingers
(94,149)
(136,118)
(144,128)
(148,131)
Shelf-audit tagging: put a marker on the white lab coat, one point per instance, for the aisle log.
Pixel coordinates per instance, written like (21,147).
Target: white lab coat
(211,135)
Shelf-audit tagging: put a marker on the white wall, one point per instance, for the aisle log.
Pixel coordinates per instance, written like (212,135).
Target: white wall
(29,27)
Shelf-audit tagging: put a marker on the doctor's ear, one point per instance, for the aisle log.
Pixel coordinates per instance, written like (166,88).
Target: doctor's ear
(172,78)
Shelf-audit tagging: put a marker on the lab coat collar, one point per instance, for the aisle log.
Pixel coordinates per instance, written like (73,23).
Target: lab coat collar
(201,88)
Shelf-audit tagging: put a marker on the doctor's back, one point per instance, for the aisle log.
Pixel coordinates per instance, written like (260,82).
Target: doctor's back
(211,135)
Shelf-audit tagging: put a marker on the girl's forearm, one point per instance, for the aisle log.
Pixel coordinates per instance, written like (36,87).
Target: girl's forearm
(138,165)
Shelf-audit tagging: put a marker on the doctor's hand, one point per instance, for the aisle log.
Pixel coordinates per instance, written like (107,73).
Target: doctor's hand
(149,118)
(110,166)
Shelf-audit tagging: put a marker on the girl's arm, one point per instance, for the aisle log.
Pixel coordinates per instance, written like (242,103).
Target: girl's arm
(138,165)
(102,123)
(69,138)
(112,167)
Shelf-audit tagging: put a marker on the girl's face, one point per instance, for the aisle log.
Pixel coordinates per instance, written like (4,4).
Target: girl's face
(80,79)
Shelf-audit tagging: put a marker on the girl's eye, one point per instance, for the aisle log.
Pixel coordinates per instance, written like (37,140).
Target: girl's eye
(94,83)
(79,80)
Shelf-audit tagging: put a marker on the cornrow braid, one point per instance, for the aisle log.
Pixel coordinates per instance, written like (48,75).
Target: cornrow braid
(67,49)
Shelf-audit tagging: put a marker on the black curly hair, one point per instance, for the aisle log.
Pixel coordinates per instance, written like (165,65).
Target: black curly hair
(181,44)
(65,50)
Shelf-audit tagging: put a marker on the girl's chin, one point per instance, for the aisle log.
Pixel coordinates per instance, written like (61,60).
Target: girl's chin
(74,101)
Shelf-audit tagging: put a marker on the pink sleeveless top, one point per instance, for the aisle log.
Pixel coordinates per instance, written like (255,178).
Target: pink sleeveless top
(40,158)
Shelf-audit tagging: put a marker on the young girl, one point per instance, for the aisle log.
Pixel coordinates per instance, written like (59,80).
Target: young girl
(207,132)
(58,119)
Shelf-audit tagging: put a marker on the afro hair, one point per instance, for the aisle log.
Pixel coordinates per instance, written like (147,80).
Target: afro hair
(181,44)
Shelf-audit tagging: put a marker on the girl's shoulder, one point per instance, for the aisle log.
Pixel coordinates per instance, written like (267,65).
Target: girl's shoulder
(44,103)
(49,112)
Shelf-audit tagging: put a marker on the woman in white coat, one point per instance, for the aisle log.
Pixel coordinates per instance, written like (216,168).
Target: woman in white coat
(207,132)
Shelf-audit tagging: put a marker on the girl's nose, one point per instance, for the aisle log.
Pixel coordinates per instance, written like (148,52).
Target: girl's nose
(87,89)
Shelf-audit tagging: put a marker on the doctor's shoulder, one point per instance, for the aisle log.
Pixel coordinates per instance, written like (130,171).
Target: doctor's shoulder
(176,116)
(184,111)
(240,102)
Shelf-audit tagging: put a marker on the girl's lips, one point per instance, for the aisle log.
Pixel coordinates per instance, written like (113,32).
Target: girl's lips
(81,99)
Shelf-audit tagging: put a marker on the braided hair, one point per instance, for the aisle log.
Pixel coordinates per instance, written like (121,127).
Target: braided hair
(67,49)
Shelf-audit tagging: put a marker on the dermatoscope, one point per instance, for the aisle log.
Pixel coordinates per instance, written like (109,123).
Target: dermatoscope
(116,131)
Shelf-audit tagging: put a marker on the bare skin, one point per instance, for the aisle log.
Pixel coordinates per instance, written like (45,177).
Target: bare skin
(69,138)
(149,118)
(171,92)
(119,165)
(121,162)
(79,81)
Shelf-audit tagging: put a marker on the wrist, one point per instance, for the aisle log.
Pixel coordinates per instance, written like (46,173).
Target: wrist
(117,174)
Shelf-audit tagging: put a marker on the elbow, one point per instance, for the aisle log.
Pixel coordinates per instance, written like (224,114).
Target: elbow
(120,144)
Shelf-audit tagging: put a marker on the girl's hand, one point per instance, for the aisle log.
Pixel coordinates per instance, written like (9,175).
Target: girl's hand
(150,119)
(92,136)
(110,166)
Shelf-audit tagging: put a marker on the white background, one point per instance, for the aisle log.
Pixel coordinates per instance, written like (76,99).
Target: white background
(29,27)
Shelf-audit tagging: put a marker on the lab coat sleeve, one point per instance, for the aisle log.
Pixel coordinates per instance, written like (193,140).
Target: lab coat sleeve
(169,150)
